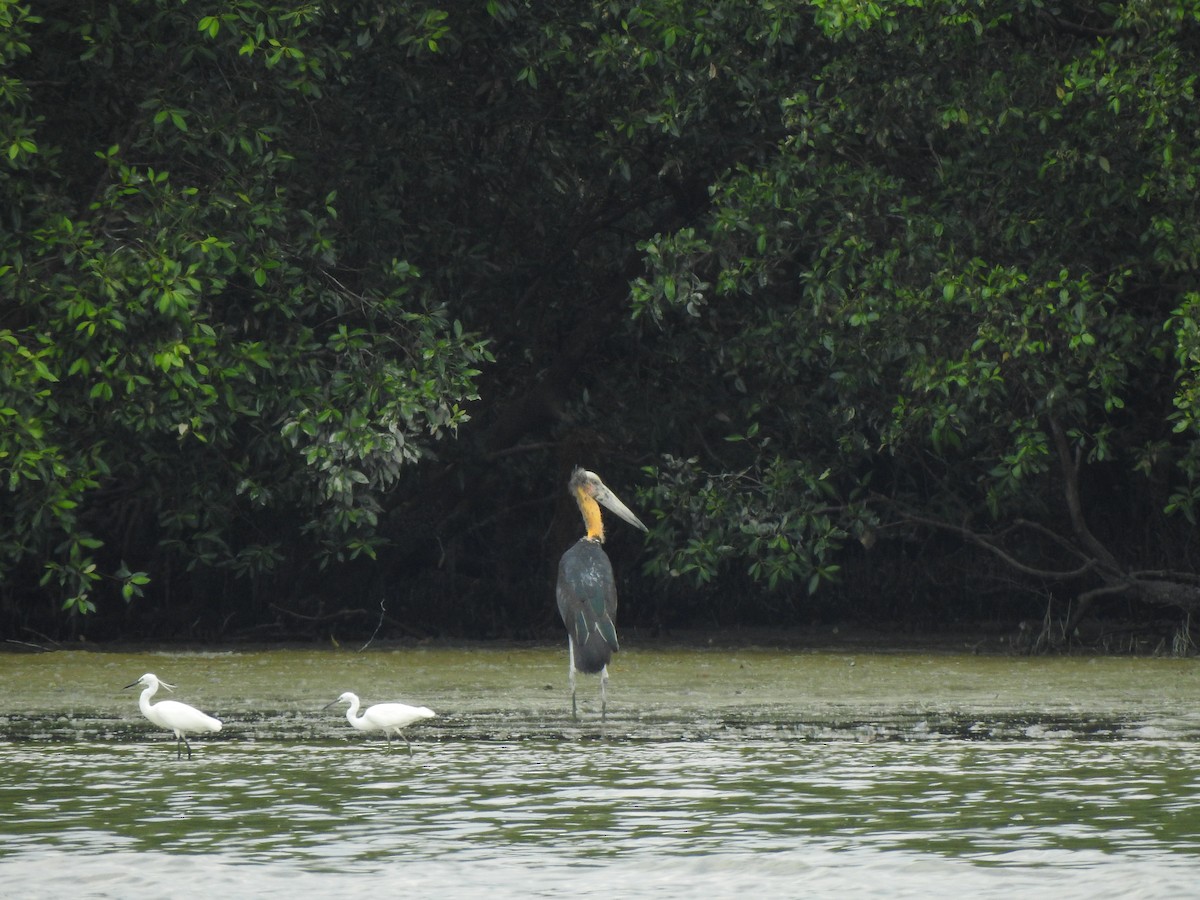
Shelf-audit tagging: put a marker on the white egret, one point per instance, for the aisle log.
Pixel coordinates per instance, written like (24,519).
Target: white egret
(385,717)
(172,715)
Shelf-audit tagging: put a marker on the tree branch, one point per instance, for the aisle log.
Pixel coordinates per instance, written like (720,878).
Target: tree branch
(1074,503)
(982,541)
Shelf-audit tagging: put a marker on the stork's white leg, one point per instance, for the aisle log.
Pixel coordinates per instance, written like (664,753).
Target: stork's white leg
(603,693)
(571,674)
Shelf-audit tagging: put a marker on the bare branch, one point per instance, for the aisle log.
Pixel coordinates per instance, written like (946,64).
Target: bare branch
(1054,536)
(1074,504)
(1165,575)
(1087,597)
(982,541)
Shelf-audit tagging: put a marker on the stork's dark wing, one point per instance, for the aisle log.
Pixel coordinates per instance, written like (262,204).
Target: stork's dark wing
(587,602)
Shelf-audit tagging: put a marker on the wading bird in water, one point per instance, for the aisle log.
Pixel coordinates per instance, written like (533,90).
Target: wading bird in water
(587,593)
(172,715)
(389,718)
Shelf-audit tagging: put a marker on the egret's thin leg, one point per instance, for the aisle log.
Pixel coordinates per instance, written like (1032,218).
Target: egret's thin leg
(571,675)
(407,743)
(603,694)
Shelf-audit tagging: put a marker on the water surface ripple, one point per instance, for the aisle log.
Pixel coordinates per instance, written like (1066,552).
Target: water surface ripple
(718,794)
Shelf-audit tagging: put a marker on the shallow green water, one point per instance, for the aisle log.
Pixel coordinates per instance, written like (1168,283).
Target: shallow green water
(719,771)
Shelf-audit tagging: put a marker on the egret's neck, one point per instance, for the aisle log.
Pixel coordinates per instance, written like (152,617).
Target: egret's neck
(144,700)
(592,520)
(352,715)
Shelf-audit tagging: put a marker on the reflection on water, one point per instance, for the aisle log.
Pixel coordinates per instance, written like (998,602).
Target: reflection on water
(531,818)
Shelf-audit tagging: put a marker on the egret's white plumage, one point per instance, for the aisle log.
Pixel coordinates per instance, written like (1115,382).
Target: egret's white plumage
(172,715)
(386,717)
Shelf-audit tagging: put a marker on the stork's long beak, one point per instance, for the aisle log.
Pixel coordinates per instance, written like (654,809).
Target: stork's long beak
(610,501)
(135,684)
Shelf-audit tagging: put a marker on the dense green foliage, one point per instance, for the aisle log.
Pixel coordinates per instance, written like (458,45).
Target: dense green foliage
(876,309)
(957,297)
(202,368)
